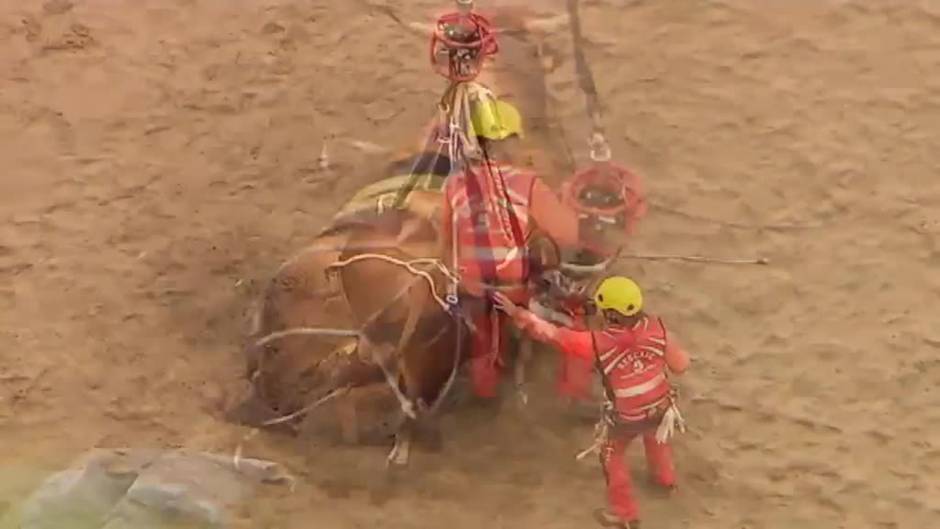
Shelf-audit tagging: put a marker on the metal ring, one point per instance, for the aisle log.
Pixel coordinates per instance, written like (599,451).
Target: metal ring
(600,149)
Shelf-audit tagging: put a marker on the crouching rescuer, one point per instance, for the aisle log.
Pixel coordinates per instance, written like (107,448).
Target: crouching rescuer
(634,356)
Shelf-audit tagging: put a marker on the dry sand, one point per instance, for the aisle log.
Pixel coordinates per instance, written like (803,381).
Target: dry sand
(159,159)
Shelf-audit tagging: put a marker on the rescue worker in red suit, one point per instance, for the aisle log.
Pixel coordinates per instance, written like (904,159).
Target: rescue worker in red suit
(575,374)
(490,210)
(634,356)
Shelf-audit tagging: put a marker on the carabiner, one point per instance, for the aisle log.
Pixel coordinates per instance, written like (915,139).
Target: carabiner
(600,149)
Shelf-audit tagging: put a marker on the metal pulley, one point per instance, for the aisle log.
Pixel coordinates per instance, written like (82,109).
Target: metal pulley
(461,42)
(605,193)
(608,194)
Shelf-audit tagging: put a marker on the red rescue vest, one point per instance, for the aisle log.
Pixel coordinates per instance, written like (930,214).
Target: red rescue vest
(490,244)
(633,364)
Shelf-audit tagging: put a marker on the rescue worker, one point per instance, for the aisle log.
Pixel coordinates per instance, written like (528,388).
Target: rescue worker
(575,375)
(633,355)
(490,210)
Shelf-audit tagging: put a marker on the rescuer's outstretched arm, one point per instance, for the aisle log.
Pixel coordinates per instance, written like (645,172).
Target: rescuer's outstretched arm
(568,341)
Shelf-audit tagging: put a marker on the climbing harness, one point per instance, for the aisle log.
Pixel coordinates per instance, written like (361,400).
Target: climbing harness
(455,131)
(670,422)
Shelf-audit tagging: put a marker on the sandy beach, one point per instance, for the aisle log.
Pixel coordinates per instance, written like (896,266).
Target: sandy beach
(159,159)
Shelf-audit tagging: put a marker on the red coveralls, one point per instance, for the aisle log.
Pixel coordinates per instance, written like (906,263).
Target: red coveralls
(633,363)
(574,373)
(574,377)
(492,256)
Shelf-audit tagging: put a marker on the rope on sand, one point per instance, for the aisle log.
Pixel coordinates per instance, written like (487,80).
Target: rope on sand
(602,266)
(302,411)
(735,225)
(239,450)
(307,331)
(696,259)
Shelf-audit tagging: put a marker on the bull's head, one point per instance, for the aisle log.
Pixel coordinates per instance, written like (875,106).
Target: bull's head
(561,297)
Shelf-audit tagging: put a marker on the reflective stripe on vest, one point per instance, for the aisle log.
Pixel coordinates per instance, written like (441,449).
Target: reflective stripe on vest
(633,362)
(479,236)
(459,198)
(491,254)
(645,387)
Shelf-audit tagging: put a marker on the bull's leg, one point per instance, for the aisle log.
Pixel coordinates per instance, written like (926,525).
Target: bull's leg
(429,427)
(522,361)
(384,357)
(401,452)
(348,421)
(411,323)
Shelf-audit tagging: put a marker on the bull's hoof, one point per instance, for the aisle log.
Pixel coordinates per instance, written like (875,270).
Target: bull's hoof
(522,397)
(396,463)
(409,409)
(399,456)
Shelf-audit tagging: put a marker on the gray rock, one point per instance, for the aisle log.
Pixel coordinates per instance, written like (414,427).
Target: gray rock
(82,496)
(147,490)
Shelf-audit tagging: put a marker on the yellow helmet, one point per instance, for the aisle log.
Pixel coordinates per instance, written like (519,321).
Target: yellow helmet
(620,294)
(494,119)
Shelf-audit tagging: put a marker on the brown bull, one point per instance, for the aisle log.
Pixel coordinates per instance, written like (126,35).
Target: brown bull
(291,362)
(409,346)
(406,327)
(290,366)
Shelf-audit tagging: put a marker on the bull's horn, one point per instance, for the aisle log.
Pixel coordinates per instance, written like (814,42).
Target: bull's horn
(545,25)
(586,269)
